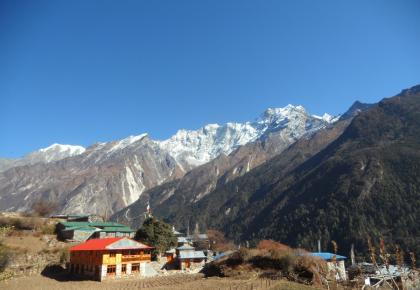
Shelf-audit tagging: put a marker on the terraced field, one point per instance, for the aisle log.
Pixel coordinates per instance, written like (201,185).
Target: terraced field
(178,282)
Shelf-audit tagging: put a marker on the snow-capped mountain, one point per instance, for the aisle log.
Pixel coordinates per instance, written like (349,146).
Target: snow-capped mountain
(192,148)
(106,177)
(49,154)
(55,152)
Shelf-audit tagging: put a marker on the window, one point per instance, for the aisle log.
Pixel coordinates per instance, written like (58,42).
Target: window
(112,254)
(135,267)
(123,268)
(111,270)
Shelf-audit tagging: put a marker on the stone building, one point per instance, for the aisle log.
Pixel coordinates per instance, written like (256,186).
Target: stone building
(335,264)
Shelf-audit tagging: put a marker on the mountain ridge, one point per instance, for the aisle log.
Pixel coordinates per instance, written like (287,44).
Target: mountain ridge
(107,177)
(363,183)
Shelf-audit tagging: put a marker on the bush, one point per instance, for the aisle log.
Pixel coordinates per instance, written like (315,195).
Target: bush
(268,258)
(272,245)
(64,256)
(20,223)
(218,242)
(4,257)
(43,207)
(48,229)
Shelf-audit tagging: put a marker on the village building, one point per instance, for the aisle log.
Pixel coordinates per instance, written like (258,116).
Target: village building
(199,241)
(111,232)
(82,231)
(72,217)
(189,258)
(184,256)
(335,264)
(379,275)
(109,258)
(170,256)
(176,233)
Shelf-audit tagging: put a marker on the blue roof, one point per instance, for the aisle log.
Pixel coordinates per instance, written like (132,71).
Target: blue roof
(221,255)
(327,256)
(185,247)
(192,255)
(182,240)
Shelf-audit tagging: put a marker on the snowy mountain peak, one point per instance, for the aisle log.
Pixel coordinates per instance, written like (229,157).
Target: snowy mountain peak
(121,144)
(130,140)
(272,114)
(191,148)
(195,147)
(70,149)
(327,118)
(54,152)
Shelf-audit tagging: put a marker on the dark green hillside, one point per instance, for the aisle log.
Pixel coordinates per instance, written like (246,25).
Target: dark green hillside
(366,183)
(227,201)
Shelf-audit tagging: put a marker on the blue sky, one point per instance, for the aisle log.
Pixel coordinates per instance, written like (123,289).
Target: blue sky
(79,72)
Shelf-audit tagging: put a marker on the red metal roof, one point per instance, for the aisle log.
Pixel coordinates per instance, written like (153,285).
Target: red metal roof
(106,244)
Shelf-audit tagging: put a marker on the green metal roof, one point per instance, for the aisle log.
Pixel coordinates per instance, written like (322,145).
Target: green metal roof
(117,229)
(87,229)
(97,226)
(92,224)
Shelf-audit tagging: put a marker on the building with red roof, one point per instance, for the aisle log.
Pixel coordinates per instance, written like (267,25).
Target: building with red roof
(101,259)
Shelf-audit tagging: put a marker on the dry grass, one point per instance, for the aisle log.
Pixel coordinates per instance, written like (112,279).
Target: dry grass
(271,260)
(25,242)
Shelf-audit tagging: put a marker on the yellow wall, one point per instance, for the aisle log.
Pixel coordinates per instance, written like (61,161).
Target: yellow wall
(107,260)
(102,258)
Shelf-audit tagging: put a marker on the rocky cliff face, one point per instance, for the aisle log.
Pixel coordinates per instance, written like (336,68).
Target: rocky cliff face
(104,178)
(346,183)
(45,155)
(196,196)
(173,199)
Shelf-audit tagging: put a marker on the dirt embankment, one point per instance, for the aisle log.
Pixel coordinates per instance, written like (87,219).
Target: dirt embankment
(30,244)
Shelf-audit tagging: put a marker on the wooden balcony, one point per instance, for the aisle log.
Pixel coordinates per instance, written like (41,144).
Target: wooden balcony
(136,258)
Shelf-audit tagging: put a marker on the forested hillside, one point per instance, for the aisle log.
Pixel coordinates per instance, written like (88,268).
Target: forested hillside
(364,184)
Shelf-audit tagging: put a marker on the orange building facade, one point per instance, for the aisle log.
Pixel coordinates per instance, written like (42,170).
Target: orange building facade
(109,258)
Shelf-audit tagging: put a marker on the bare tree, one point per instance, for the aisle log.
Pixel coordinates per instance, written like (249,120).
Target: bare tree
(43,207)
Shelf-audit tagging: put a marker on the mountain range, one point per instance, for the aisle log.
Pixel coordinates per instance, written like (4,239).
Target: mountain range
(356,179)
(107,177)
(288,176)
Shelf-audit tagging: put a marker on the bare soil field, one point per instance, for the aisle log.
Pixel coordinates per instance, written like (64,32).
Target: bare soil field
(178,282)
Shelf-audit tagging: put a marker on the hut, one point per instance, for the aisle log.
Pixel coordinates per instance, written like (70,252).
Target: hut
(189,258)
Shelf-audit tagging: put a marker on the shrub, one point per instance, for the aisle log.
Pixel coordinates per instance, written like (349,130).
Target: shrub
(64,256)
(43,207)
(218,241)
(271,257)
(4,257)
(21,223)
(273,245)
(48,229)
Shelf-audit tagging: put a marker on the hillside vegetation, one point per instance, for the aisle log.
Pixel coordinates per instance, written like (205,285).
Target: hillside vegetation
(365,183)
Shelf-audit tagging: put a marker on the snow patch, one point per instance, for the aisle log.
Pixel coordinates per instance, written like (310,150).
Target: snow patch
(126,142)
